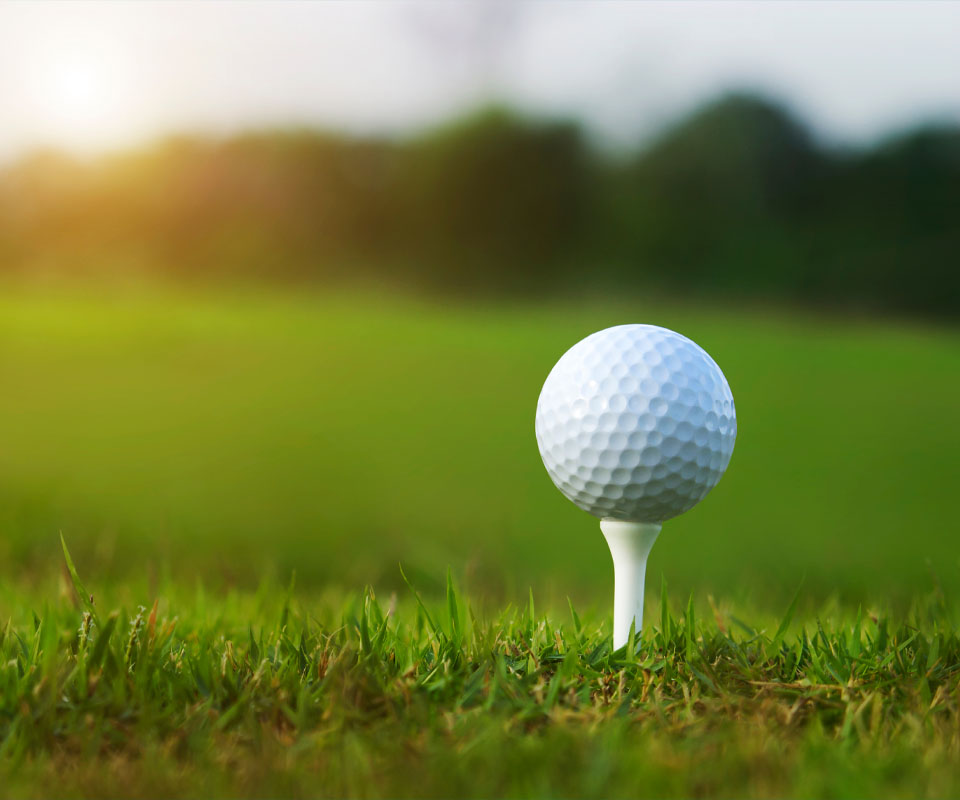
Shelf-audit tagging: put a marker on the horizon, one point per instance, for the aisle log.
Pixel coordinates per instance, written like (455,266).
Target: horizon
(525,116)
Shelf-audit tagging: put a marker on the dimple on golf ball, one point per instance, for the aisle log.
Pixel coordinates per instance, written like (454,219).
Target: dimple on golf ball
(636,423)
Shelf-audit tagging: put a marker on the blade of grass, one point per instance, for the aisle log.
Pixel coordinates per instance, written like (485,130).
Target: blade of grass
(785,622)
(455,631)
(86,599)
(420,604)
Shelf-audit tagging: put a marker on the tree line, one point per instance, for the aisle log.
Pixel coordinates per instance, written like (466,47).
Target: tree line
(737,199)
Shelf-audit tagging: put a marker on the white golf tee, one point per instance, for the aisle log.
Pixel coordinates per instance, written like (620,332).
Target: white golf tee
(629,544)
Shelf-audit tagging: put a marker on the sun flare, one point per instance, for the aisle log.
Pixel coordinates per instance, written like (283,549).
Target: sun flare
(76,96)
(79,92)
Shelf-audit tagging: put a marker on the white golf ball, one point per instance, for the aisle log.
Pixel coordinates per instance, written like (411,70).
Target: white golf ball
(636,423)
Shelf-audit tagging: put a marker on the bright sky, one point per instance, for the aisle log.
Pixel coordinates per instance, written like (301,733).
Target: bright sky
(91,76)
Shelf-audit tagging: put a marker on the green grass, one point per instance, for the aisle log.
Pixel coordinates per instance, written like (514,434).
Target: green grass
(282,694)
(198,451)
(337,435)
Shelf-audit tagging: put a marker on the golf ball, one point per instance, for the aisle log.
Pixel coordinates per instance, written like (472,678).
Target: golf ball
(636,423)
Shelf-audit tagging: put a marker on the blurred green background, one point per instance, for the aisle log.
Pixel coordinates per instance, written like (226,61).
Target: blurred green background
(225,356)
(335,434)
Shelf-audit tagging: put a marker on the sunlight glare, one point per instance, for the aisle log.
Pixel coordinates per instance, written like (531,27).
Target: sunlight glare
(78,99)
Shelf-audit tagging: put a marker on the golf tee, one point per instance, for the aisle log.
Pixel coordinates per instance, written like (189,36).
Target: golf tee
(629,544)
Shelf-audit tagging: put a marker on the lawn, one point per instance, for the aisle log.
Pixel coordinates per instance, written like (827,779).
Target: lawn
(340,434)
(268,695)
(243,465)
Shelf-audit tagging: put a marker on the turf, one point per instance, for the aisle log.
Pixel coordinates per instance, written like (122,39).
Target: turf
(339,434)
(281,694)
(200,450)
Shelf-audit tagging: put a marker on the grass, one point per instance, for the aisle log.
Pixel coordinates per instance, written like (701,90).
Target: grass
(197,450)
(280,694)
(152,429)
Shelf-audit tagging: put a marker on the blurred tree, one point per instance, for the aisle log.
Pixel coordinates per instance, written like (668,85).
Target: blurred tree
(494,201)
(889,226)
(738,198)
(711,203)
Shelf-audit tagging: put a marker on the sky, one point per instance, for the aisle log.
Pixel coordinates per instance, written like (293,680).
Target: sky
(90,77)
